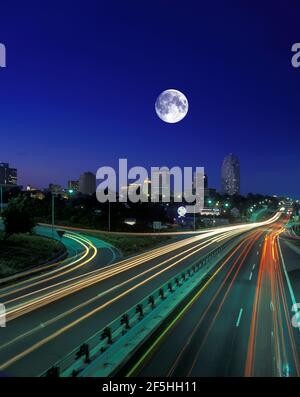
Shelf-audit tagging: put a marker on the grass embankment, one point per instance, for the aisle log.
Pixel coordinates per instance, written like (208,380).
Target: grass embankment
(21,252)
(129,245)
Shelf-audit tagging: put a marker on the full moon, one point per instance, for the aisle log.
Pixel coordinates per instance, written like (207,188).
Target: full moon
(171,106)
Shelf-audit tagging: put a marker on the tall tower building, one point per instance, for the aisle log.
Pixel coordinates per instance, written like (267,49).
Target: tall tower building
(230,175)
(160,183)
(205,177)
(87,183)
(8,176)
(146,188)
(205,180)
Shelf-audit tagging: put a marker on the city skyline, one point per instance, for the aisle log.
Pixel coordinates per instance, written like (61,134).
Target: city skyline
(221,187)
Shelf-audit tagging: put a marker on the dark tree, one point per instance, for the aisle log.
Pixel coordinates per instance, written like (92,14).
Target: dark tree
(18,217)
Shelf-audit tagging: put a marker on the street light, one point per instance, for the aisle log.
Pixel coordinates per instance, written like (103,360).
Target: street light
(194,218)
(109,215)
(52,212)
(1,198)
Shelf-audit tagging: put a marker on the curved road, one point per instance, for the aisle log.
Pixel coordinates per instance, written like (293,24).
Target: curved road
(50,316)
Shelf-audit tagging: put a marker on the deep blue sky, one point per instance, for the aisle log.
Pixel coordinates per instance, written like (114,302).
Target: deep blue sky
(82,78)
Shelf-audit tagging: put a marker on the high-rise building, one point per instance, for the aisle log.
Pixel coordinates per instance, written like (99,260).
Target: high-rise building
(205,180)
(146,187)
(8,176)
(131,189)
(33,192)
(160,184)
(230,175)
(73,185)
(87,183)
(205,177)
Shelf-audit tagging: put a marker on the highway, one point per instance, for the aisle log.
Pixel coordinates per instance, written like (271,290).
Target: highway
(238,325)
(82,256)
(50,314)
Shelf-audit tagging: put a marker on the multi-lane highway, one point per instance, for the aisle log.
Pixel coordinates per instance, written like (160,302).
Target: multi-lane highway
(238,325)
(51,313)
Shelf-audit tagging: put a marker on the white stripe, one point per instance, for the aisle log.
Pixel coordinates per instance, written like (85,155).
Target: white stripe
(239,318)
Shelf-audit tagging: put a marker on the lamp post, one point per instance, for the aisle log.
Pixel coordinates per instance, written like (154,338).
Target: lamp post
(53,212)
(109,215)
(1,198)
(194,218)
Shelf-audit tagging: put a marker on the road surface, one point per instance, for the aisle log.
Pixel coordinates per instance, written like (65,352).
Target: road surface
(48,317)
(241,325)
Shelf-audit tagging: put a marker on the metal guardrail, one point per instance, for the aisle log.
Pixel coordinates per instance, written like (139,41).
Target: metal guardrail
(101,341)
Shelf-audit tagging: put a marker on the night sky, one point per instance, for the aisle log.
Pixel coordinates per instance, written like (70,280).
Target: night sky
(82,78)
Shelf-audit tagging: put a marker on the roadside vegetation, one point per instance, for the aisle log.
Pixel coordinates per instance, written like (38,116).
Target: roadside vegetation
(19,248)
(23,251)
(85,211)
(129,245)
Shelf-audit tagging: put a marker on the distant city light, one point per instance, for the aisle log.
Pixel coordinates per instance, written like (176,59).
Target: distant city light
(130,222)
(181,211)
